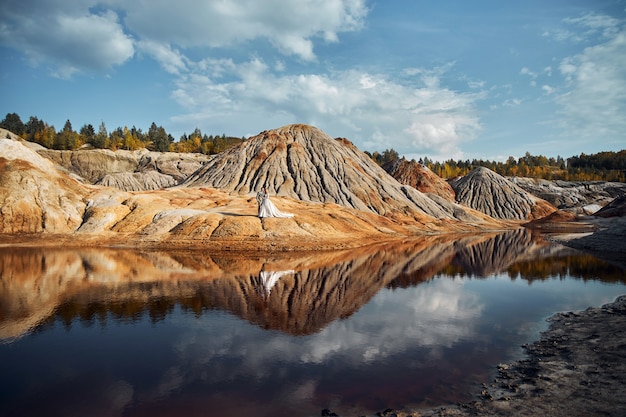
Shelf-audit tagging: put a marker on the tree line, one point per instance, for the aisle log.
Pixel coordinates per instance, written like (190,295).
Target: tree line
(602,166)
(156,138)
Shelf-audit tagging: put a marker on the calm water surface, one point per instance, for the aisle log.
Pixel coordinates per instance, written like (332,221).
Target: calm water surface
(417,324)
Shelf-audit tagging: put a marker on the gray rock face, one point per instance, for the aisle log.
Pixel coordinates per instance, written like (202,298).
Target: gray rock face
(616,208)
(128,170)
(138,181)
(304,163)
(494,195)
(572,196)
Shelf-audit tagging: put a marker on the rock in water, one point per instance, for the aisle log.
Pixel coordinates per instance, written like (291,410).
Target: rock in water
(494,195)
(303,163)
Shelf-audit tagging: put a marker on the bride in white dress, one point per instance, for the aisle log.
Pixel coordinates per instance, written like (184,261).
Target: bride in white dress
(266,207)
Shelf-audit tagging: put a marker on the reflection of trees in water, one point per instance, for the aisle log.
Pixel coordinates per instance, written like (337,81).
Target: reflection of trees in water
(41,286)
(580,266)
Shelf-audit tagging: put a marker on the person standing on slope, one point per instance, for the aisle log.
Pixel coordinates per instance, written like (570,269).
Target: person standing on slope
(266,207)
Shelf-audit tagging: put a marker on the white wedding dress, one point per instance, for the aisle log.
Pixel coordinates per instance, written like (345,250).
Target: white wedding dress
(270,278)
(267,208)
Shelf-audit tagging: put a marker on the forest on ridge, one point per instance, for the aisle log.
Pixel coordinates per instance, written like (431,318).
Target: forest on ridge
(602,166)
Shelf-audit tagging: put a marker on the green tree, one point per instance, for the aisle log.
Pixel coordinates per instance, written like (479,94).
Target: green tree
(33,126)
(67,139)
(158,138)
(389,155)
(13,123)
(87,134)
(100,139)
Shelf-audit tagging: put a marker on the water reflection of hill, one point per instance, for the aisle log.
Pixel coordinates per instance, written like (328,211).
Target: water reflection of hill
(43,285)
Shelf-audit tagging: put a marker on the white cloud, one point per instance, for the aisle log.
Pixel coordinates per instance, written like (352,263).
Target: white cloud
(87,34)
(171,60)
(72,42)
(607,26)
(526,71)
(289,26)
(372,110)
(514,102)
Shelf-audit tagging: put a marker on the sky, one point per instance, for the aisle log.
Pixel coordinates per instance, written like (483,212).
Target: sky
(448,79)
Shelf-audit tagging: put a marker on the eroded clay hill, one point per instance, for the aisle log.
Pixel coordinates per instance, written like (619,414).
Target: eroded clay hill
(420,177)
(34,196)
(303,163)
(127,170)
(492,194)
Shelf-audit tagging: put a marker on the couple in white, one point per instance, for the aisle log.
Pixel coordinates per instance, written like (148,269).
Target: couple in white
(266,207)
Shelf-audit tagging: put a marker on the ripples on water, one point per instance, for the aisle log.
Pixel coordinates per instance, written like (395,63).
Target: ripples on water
(420,323)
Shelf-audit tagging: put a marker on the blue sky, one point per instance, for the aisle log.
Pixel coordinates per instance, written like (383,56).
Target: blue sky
(448,79)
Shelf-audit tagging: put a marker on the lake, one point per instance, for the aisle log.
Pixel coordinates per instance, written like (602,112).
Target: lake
(418,323)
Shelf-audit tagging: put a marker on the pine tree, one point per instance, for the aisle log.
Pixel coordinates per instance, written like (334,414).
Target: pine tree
(13,123)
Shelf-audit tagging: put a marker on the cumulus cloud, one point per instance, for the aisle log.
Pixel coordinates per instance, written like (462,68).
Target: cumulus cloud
(218,54)
(95,35)
(289,26)
(171,60)
(373,110)
(70,41)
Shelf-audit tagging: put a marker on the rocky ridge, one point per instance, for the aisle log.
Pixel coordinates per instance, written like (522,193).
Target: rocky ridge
(127,170)
(615,208)
(34,196)
(579,197)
